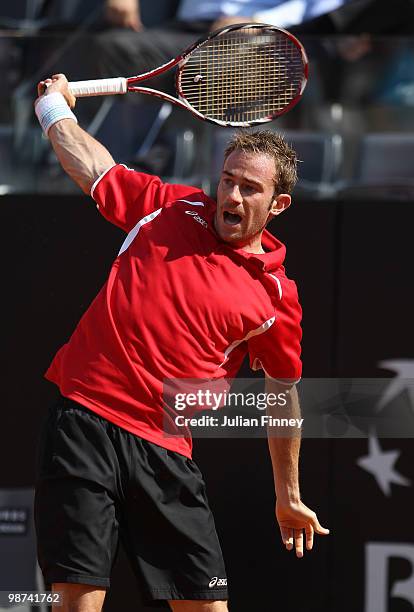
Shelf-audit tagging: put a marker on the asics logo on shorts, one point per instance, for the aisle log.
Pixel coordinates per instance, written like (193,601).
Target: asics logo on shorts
(217,582)
(197,217)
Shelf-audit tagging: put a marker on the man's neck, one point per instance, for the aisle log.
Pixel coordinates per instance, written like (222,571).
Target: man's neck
(257,250)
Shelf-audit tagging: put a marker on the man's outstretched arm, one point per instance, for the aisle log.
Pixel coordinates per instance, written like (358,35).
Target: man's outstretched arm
(82,157)
(291,513)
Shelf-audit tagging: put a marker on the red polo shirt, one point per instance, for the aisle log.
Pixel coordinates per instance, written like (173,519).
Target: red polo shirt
(178,303)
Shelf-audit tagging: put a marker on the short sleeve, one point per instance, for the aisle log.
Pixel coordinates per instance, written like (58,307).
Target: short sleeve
(278,349)
(124,196)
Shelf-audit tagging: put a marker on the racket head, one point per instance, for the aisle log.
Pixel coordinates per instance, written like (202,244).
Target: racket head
(243,75)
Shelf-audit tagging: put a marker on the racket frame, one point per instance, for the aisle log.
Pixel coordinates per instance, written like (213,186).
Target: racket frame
(128,84)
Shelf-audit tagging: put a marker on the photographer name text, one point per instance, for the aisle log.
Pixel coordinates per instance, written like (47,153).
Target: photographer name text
(236,421)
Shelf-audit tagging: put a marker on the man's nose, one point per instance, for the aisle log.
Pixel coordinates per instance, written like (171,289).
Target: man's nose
(235,195)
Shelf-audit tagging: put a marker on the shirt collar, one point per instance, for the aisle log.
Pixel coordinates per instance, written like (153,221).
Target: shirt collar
(272,259)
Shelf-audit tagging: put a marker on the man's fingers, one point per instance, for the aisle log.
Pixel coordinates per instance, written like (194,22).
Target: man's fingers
(287,537)
(318,527)
(42,86)
(299,542)
(298,526)
(60,84)
(135,24)
(309,537)
(293,537)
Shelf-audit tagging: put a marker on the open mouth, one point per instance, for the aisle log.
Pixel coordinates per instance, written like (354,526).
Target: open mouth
(231,218)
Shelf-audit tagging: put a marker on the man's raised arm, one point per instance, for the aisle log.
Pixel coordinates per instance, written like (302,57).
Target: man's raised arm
(82,157)
(291,513)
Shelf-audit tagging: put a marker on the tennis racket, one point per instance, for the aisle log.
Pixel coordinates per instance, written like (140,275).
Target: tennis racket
(238,76)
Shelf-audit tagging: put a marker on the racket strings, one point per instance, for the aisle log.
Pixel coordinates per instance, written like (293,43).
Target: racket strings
(243,76)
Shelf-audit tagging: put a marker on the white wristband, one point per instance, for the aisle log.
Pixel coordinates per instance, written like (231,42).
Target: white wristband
(50,109)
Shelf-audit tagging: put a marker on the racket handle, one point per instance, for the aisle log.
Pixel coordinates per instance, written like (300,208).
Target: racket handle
(98,87)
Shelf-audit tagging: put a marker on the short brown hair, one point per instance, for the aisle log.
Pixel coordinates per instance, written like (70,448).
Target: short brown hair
(273,145)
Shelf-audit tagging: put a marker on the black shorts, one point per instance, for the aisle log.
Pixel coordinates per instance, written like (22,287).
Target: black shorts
(98,482)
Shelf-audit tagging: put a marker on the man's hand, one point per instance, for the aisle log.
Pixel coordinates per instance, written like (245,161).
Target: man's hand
(124,13)
(57,83)
(293,518)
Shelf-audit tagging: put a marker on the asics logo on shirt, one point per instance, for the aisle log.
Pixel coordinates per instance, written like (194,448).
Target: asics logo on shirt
(217,582)
(197,217)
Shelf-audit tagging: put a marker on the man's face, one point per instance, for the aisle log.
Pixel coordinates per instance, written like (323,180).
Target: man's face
(246,200)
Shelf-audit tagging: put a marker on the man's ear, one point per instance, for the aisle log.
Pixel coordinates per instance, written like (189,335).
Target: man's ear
(280,203)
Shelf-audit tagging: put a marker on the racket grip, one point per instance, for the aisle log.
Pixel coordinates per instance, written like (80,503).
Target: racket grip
(98,87)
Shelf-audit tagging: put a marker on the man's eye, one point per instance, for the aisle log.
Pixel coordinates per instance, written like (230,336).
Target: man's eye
(249,189)
(227,182)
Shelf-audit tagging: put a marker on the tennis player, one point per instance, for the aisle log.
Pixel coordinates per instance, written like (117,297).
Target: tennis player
(195,286)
